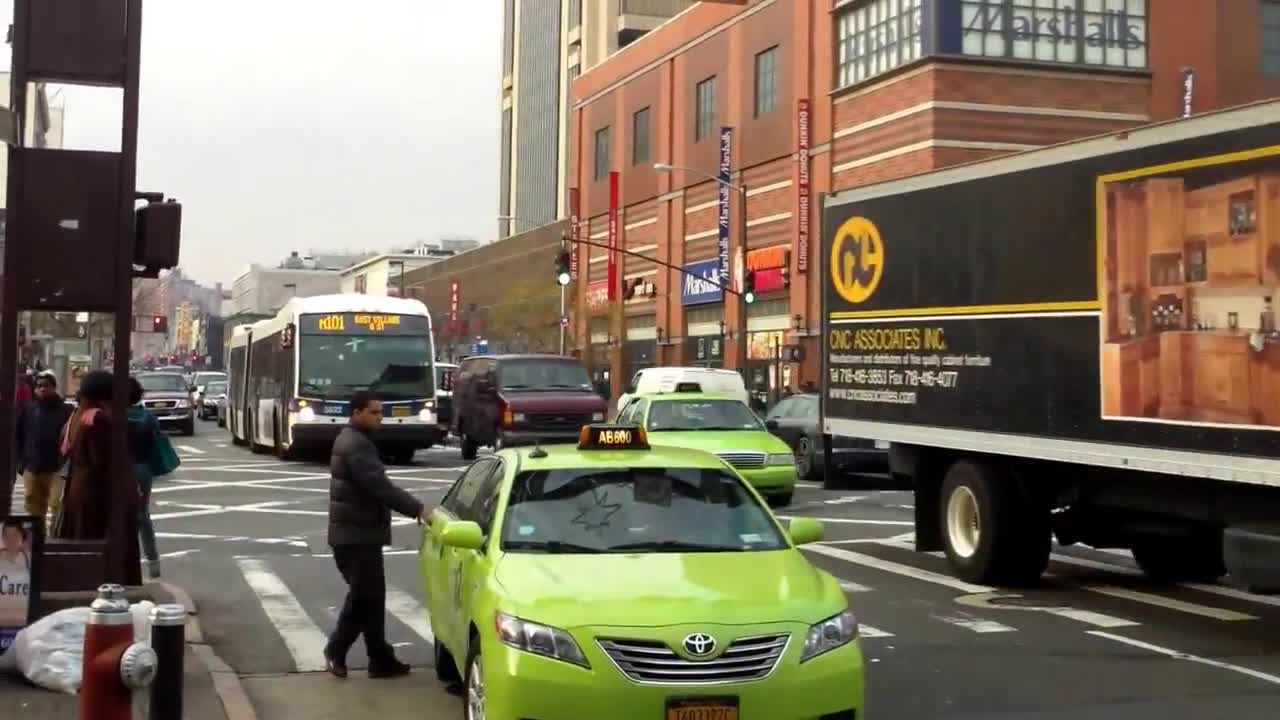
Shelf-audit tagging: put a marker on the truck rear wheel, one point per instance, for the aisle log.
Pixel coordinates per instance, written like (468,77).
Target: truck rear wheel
(1197,558)
(991,533)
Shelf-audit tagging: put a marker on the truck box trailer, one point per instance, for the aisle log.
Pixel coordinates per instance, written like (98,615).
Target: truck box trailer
(1077,343)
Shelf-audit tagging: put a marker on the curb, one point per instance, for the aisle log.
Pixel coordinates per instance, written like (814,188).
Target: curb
(226,683)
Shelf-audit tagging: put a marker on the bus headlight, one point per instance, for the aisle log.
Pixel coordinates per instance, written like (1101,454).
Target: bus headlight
(306,414)
(426,416)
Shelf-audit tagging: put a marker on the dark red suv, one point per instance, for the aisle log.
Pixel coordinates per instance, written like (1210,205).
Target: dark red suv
(505,400)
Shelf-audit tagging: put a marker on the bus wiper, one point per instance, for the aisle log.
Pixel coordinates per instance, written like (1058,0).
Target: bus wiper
(551,546)
(671,545)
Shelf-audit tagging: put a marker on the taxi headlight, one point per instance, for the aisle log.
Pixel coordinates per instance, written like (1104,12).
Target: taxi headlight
(836,631)
(539,639)
(306,414)
(787,459)
(597,417)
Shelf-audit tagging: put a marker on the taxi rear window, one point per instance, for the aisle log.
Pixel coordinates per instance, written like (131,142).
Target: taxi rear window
(635,510)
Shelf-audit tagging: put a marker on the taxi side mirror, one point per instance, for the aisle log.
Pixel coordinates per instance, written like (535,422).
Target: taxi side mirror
(462,534)
(804,531)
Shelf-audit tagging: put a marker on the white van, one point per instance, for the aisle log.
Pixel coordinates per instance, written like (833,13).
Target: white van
(664,379)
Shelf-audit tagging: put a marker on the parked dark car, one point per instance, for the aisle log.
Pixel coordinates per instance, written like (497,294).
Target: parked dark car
(795,420)
(169,398)
(505,400)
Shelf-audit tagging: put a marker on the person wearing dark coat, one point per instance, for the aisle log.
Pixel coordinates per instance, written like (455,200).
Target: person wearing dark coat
(361,499)
(86,442)
(39,435)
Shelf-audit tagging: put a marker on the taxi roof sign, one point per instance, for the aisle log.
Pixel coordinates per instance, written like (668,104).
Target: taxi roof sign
(613,437)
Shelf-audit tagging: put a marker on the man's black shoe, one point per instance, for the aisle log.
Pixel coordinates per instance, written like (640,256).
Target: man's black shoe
(393,669)
(335,668)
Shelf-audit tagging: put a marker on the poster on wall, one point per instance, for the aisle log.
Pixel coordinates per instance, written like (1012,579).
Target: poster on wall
(21,545)
(1192,267)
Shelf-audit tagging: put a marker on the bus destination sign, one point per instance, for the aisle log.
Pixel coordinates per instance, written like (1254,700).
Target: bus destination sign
(363,324)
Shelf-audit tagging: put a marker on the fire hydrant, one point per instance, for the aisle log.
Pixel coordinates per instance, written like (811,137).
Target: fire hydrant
(114,665)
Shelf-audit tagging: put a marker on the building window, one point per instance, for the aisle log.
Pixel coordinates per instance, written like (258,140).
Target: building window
(602,153)
(362,283)
(1269,40)
(640,137)
(877,36)
(575,13)
(705,109)
(1110,33)
(766,81)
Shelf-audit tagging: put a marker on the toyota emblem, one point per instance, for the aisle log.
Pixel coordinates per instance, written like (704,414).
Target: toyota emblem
(699,644)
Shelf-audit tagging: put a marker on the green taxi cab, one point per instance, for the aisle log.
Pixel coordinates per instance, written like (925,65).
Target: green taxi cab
(617,580)
(723,426)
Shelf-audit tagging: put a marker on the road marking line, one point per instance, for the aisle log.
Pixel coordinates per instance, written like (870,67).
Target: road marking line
(866,631)
(897,568)
(177,553)
(1169,603)
(191,449)
(853,587)
(845,500)
(1179,655)
(301,635)
(1091,618)
(850,521)
(977,625)
(409,611)
(1221,590)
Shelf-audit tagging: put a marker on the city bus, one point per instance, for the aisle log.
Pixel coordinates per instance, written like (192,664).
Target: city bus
(302,367)
(236,364)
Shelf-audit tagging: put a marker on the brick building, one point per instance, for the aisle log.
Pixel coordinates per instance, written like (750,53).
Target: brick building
(891,88)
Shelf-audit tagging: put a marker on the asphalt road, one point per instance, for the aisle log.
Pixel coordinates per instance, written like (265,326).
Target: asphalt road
(245,534)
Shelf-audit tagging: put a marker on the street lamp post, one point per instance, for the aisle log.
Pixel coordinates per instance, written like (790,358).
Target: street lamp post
(559,320)
(745,298)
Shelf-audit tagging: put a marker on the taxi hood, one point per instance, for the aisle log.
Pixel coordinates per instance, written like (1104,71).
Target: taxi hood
(714,441)
(652,590)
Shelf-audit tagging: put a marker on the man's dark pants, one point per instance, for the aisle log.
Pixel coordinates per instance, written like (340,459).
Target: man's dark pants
(364,611)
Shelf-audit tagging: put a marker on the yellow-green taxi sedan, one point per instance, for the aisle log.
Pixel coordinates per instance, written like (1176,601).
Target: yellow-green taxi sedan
(721,425)
(617,580)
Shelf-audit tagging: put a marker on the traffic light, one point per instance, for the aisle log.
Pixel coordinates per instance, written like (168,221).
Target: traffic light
(749,287)
(159,323)
(563,275)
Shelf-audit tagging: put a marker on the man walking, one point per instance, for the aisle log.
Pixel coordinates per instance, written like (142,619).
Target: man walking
(39,435)
(361,499)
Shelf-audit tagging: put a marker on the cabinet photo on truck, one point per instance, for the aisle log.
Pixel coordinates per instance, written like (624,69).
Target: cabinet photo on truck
(1075,344)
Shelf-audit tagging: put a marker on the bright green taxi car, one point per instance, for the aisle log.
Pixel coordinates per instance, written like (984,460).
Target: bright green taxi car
(723,426)
(614,580)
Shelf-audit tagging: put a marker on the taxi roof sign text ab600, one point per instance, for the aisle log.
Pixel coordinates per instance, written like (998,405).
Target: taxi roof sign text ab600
(613,437)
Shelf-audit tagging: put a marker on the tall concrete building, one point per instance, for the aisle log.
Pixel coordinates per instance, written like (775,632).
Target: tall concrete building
(546,44)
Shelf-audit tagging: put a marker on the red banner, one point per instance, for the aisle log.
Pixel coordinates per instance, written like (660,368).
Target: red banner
(613,236)
(575,227)
(771,279)
(802,186)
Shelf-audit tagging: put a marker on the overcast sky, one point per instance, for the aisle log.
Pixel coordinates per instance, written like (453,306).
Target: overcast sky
(286,125)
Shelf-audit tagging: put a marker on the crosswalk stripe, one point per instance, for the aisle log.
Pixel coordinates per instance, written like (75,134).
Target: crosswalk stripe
(191,449)
(300,633)
(1091,618)
(867,631)
(1201,587)
(409,611)
(853,587)
(977,625)
(1169,603)
(897,568)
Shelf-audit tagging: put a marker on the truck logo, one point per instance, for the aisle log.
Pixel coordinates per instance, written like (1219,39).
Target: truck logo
(857,259)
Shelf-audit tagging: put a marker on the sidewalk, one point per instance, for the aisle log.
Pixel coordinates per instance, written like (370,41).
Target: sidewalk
(210,690)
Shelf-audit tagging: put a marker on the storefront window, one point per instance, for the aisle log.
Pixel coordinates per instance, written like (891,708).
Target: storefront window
(1111,33)
(704,351)
(877,36)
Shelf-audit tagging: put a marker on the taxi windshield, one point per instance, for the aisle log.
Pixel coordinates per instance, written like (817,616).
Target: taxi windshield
(630,510)
(702,414)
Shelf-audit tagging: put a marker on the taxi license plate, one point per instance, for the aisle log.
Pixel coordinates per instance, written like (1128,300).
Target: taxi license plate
(401,411)
(702,708)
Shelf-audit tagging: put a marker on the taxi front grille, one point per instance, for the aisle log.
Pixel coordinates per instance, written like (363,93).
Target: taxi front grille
(743,460)
(649,661)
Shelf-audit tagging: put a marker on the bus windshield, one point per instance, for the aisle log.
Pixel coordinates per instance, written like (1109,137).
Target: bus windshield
(333,367)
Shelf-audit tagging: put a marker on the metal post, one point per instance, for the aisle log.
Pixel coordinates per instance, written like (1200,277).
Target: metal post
(169,643)
(742,295)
